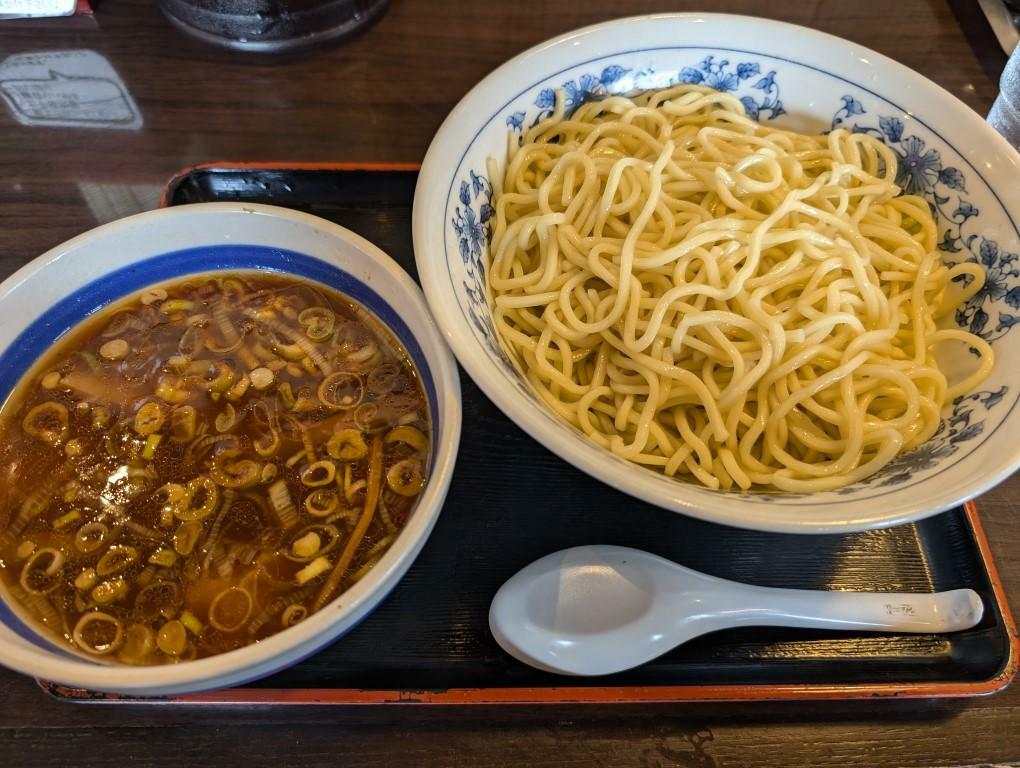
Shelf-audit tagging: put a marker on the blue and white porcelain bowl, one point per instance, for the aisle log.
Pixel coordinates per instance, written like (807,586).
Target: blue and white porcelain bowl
(791,77)
(60,288)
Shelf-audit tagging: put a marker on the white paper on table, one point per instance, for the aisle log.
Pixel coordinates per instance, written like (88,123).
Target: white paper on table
(26,9)
(79,89)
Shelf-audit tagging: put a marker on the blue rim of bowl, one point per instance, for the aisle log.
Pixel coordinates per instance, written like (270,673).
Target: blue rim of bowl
(29,346)
(705,47)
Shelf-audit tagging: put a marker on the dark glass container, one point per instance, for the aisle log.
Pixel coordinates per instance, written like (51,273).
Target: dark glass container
(272,26)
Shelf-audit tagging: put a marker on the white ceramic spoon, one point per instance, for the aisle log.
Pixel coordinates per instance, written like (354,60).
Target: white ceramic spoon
(602,609)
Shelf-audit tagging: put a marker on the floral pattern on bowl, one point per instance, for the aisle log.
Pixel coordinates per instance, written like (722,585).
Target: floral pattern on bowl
(921,172)
(794,78)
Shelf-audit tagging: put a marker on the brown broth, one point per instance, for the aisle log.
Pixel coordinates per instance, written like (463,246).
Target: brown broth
(174,450)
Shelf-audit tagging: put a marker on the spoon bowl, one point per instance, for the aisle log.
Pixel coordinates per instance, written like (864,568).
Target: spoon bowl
(597,610)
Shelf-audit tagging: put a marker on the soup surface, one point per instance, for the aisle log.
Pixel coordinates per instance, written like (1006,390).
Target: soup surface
(206,463)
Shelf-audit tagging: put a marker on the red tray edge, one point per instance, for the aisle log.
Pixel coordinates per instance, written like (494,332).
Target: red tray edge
(607,694)
(178,177)
(576,694)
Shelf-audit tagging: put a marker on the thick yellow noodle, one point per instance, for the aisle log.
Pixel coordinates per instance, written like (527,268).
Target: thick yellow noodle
(719,300)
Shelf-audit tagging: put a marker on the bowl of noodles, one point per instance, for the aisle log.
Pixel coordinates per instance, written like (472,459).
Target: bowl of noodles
(739,269)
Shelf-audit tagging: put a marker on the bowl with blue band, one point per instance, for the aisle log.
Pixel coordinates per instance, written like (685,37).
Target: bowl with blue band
(51,295)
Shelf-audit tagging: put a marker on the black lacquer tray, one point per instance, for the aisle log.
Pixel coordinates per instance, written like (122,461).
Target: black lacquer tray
(512,501)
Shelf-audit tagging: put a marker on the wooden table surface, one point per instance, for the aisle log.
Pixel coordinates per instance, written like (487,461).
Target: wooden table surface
(381,97)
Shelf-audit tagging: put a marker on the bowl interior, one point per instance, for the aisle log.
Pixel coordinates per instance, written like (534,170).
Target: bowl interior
(347,264)
(793,78)
(34,340)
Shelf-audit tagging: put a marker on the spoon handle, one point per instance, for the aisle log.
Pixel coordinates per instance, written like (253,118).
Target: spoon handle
(892,611)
